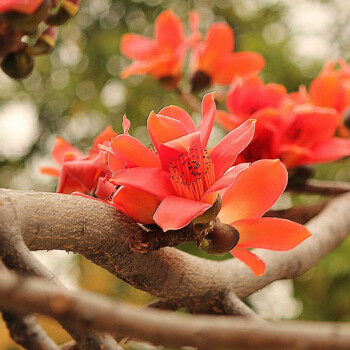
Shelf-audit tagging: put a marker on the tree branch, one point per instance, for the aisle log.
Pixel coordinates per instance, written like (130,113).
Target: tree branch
(100,313)
(25,330)
(102,234)
(326,188)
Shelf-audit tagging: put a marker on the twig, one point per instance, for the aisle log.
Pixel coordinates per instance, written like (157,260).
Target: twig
(189,100)
(100,313)
(327,188)
(300,214)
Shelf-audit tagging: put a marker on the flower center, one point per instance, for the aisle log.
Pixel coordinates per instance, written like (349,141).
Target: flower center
(192,174)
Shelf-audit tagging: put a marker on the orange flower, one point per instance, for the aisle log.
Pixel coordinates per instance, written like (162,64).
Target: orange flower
(252,194)
(214,62)
(182,180)
(23,6)
(161,57)
(288,127)
(80,173)
(332,89)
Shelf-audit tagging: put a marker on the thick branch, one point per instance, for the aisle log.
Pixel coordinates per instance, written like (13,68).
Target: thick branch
(99,313)
(102,234)
(327,188)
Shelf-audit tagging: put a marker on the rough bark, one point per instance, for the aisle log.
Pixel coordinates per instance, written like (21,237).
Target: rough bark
(102,234)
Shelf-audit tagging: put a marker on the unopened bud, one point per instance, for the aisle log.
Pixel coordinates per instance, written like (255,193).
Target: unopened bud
(299,175)
(44,44)
(67,10)
(17,65)
(346,118)
(199,81)
(221,239)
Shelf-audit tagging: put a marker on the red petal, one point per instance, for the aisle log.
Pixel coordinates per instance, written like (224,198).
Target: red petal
(48,170)
(62,149)
(254,192)
(163,129)
(174,213)
(207,122)
(104,188)
(101,138)
(180,115)
(23,6)
(126,125)
(135,204)
(154,181)
(225,152)
(219,42)
(169,31)
(67,184)
(145,67)
(227,179)
(137,47)
(250,259)
(236,65)
(270,233)
(227,120)
(133,152)
(328,151)
(171,149)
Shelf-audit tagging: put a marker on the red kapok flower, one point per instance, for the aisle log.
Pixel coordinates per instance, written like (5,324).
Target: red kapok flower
(332,89)
(80,173)
(214,62)
(288,127)
(161,57)
(24,6)
(182,179)
(253,193)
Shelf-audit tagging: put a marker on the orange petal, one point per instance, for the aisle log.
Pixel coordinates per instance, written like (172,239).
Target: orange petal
(163,129)
(23,6)
(48,170)
(133,152)
(208,116)
(236,65)
(169,31)
(225,152)
(227,120)
(174,213)
(180,115)
(62,148)
(250,259)
(136,204)
(254,192)
(137,47)
(270,233)
(101,138)
(219,42)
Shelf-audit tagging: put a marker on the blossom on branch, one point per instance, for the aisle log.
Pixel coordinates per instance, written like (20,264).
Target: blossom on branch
(251,195)
(288,126)
(181,179)
(214,62)
(80,173)
(161,57)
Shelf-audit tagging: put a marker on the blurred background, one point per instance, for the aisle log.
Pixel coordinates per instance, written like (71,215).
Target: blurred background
(76,92)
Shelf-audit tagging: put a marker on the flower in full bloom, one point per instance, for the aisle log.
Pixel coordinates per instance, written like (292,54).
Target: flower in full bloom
(331,88)
(251,194)
(80,173)
(288,126)
(23,6)
(161,57)
(214,62)
(180,179)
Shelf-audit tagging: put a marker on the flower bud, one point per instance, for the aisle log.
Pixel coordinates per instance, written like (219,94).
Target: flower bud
(44,44)
(17,65)
(221,239)
(67,10)
(199,81)
(299,175)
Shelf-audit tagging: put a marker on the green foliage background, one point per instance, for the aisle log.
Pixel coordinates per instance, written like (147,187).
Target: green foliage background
(77,92)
